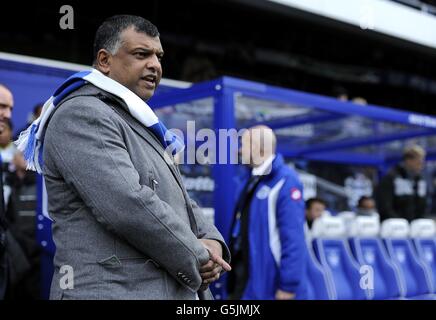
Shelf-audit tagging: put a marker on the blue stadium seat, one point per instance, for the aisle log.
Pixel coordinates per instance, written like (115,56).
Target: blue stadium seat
(332,251)
(348,218)
(368,250)
(319,282)
(423,234)
(415,281)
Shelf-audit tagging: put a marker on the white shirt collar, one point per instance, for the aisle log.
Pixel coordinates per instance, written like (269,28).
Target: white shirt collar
(264,168)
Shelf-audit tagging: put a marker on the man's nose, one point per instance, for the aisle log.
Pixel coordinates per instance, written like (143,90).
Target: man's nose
(154,64)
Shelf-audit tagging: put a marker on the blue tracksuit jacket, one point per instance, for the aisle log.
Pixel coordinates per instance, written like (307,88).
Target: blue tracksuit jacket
(277,249)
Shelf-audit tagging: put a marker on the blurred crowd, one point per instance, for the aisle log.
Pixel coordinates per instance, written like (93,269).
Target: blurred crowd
(20,198)
(401,193)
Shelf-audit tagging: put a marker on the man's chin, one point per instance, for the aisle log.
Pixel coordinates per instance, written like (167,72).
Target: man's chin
(145,94)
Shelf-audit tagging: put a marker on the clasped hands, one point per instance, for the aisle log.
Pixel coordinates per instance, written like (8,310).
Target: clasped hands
(212,270)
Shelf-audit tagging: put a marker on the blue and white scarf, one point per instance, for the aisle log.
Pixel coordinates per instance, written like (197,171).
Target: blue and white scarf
(31,141)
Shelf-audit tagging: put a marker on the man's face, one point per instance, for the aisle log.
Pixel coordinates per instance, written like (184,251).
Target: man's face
(368,204)
(315,211)
(416,164)
(137,63)
(6,105)
(254,149)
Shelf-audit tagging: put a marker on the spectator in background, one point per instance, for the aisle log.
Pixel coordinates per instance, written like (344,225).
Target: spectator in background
(37,109)
(23,205)
(360,101)
(366,206)
(6,105)
(267,241)
(13,262)
(340,93)
(315,208)
(7,151)
(402,192)
(19,189)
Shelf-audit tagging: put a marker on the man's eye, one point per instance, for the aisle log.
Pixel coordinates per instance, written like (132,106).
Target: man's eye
(141,54)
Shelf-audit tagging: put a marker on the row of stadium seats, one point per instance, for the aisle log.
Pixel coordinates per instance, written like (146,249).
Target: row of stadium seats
(369,260)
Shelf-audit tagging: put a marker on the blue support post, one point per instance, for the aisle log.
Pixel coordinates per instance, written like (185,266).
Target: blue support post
(44,240)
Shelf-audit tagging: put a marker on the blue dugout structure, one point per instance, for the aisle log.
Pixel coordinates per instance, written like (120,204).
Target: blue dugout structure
(308,126)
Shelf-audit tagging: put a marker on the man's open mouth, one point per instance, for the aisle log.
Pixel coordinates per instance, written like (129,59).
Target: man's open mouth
(150,80)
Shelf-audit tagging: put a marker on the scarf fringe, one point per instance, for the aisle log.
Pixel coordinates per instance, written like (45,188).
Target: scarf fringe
(26,143)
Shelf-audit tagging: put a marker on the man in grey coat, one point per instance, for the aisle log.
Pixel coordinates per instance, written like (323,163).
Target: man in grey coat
(123,223)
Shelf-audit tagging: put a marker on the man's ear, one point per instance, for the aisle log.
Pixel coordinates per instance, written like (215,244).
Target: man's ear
(103,61)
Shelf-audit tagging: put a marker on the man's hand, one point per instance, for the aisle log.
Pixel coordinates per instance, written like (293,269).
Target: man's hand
(283,295)
(211,271)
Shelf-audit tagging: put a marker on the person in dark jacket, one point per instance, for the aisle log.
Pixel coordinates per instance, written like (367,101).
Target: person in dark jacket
(315,208)
(402,192)
(6,105)
(22,222)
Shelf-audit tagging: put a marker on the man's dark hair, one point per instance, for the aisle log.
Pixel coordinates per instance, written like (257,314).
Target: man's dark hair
(338,90)
(413,152)
(311,201)
(40,105)
(362,199)
(108,34)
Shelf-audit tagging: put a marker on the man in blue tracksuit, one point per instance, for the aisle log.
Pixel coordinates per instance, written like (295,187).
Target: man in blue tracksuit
(267,234)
